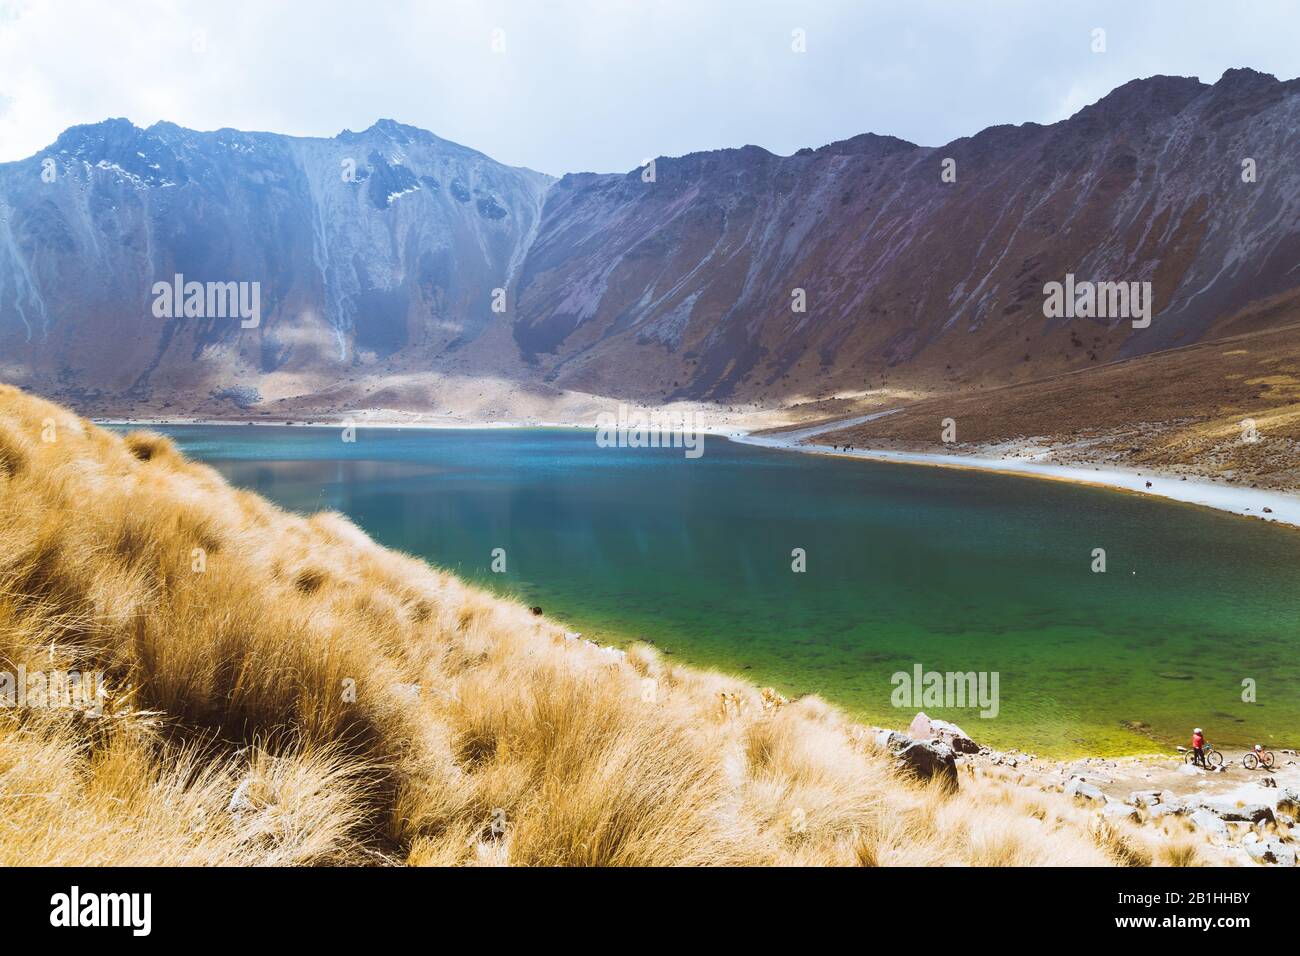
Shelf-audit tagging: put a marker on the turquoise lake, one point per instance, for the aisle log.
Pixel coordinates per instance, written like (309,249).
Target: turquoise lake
(955,571)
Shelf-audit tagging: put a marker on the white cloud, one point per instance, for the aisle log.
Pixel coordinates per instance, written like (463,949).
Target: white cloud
(586,84)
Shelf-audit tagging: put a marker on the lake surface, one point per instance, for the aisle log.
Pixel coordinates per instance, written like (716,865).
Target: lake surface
(955,571)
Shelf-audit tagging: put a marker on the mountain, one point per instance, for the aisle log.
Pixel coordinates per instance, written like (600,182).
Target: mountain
(673,283)
(904,271)
(366,246)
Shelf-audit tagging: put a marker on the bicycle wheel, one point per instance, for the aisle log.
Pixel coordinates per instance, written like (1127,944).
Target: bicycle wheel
(1250,761)
(1268,760)
(1213,758)
(1191,757)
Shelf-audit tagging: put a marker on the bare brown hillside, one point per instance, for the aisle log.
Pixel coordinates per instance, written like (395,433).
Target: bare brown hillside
(1189,410)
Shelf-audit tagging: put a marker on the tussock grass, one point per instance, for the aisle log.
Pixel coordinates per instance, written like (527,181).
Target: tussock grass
(283,691)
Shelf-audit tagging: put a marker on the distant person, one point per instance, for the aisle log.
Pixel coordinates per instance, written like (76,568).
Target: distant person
(1198,746)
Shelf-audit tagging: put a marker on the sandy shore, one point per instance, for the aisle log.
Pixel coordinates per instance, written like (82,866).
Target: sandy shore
(1279,506)
(423,424)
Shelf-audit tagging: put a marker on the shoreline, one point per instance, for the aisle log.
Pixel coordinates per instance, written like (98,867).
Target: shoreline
(241,422)
(1284,507)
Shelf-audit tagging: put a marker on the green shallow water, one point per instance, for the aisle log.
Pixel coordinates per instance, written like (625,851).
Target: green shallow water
(956,571)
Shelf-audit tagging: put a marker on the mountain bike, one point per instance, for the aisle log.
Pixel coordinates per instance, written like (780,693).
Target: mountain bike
(1212,757)
(1254,760)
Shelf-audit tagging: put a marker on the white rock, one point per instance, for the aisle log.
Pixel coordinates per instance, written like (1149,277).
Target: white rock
(1210,822)
(1270,851)
(1078,787)
(1120,811)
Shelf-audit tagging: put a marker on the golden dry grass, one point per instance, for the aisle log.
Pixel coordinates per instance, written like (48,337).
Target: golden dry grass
(283,691)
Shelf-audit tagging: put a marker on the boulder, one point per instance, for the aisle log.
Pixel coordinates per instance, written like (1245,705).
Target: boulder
(1246,813)
(1078,787)
(924,727)
(926,760)
(1165,810)
(1270,851)
(1210,822)
(1143,798)
(892,740)
(920,727)
(1120,811)
(1250,813)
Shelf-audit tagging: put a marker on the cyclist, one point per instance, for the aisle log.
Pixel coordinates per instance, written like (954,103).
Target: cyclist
(1198,746)
(1257,756)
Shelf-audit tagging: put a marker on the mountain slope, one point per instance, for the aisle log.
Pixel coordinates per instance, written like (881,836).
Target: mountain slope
(1226,408)
(369,245)
(682,287)
(378,292)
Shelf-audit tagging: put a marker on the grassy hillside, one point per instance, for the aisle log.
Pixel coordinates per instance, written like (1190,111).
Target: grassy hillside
(1179,411)
(281,690)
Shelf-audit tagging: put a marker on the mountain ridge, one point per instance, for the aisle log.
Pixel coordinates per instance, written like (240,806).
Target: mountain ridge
(673,289)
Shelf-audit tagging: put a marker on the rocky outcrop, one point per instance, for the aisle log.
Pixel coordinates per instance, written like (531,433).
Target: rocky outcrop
(1269,851)
(892,740)
(1240,817)
(1209,821)
(1078,787)
(924,727)
(928,760)
(1114,810)
(924,759)
(1232,813)
(1145,798)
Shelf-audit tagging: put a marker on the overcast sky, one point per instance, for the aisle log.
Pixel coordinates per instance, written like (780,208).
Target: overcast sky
(602,85)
